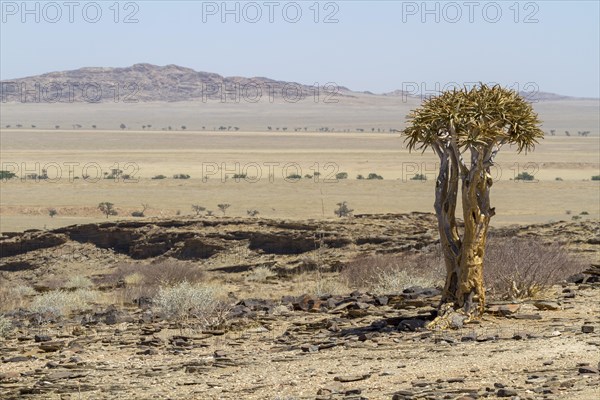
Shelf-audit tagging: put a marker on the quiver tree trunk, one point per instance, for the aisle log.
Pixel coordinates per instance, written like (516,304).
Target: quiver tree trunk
(464,290)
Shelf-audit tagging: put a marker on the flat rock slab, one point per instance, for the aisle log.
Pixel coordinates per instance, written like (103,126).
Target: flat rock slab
(351,378)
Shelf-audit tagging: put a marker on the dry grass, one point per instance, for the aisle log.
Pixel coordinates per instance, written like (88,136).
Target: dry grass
(260,274)
(6,326)
(395,272)
(59,303)
(520,268)
(186,300)
(14,295)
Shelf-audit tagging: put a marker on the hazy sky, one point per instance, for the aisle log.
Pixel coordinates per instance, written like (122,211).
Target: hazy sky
(376,46)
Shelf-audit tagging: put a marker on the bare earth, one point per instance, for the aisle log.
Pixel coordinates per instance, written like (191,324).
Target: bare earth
(283,341)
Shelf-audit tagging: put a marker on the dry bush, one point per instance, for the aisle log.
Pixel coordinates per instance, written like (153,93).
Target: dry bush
(143,280)
(78,282)
(519,268)
(391,273)
(162,273)
(6,326)
(186,300)
(260,274)
(58,303)
(14,295)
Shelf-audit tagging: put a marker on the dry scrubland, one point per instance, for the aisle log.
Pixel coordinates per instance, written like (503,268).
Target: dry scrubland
(294,303)
(154,152)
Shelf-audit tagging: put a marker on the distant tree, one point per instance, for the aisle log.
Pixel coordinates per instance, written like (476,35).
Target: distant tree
(57,126)
(223,207)
(524,176)
(198,209)
(341,175)
(52,212)
(107,208)
(183,127)
(552,132)
(143,126)
(343,210)
(419,177)
(169,127)
(94,126)
(33,126)
(148,126)
(359,177)
(567,133)
(252,213)
(19,126)
(269,128)
(122,126)
(7,126)
(209,213)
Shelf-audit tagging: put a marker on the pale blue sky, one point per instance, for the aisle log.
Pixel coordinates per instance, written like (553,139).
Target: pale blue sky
(369,48)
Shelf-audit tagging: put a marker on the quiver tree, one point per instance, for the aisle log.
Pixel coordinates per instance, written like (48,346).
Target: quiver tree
(466,129)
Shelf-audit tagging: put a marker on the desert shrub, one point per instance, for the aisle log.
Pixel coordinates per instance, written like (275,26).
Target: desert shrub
(392,273)
(186,300)
(520,268)
(558,178)
(419,177)
(7,174)
(159,177)
(181,176)
(596,178)
(6,326)
(373,175)
(260,274)
(584,213)
(294,177)
(58,303)
(343,210)
(360,177)
(524,176)
(239,176)
(198,209)
(252,212)
(14,295)
(341,175)
(162,273)
(330,285)
(78,282)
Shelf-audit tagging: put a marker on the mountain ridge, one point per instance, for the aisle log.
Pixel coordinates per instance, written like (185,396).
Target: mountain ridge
(145,82)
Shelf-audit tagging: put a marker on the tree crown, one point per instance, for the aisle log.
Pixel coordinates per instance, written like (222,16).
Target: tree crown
(481,116)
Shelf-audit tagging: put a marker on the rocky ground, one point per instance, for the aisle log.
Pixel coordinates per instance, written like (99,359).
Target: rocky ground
(279,345)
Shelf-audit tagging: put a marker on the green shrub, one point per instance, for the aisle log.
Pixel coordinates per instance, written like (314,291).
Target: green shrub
(341,175)
(181,176)
(373,175)
(419,177)
(7,175)
(239,176)
(524,176)
(159,177)
(294,177)
(596,178)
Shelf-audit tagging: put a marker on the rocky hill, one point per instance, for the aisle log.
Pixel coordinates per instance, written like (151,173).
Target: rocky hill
(152,83)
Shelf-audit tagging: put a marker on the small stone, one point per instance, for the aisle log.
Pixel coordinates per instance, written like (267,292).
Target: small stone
(42,338)
(546,305)
(588,370)
(587,329)
(505,392)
